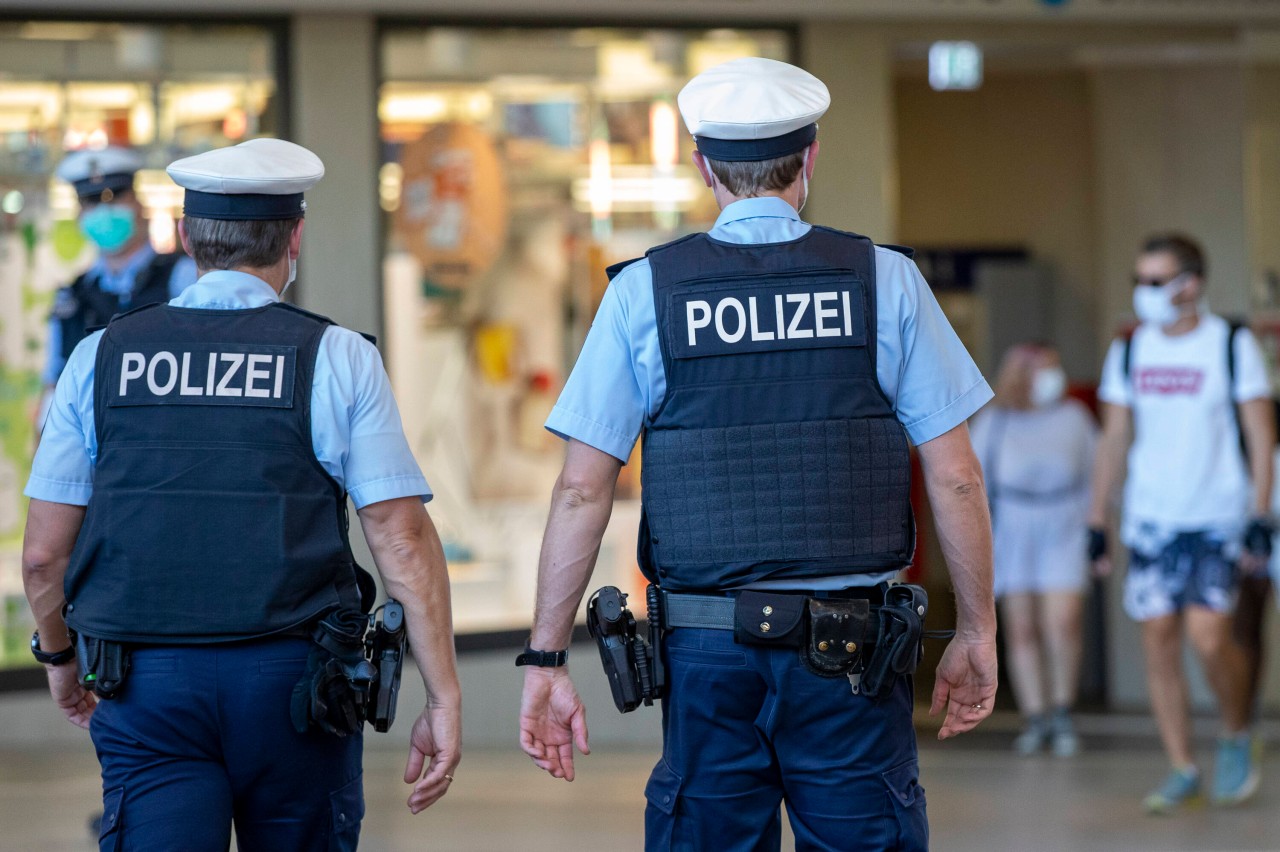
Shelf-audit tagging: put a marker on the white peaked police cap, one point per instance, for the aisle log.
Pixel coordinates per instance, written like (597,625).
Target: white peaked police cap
(753,109)
(95,172)
(259,179)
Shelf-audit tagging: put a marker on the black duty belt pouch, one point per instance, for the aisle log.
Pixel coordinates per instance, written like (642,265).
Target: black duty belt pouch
(333,692)
(775,619)
(102,666)
(898,641)
(837,627)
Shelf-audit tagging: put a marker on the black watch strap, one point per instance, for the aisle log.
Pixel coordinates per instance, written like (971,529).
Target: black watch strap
(57,658)
(546,659)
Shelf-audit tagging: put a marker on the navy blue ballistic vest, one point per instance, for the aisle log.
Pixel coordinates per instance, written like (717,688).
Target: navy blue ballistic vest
(84,306)
(775,453)
(211,518)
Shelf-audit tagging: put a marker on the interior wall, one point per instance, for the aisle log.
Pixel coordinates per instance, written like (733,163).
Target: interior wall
(1008,164)
(854,186)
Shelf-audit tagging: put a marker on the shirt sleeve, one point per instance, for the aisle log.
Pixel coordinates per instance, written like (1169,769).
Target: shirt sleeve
(62,471)
(1252,381)
(922,366)
(1115,387)
(54,362)
(355,423)
(607,395)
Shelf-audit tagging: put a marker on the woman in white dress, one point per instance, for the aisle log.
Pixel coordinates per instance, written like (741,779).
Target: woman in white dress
(1036,446)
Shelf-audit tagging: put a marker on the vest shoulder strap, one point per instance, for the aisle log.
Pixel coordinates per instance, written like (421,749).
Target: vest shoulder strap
(906,251)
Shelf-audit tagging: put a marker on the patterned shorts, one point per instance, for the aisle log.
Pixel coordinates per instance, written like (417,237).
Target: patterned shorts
(1192,569)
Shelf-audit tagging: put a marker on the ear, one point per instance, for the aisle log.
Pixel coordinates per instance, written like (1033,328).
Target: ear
(182,236)
(812,158)
(700,163)
(295,240)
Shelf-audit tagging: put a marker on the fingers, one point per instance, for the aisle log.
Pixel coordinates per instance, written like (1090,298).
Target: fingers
(940,690)
(963,717)
(564,756)
(413,766)
(578,724)
(435,783)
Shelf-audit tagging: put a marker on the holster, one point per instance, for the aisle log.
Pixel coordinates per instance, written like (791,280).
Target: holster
(333,692)
(898,646)
(827,631)
(101,665)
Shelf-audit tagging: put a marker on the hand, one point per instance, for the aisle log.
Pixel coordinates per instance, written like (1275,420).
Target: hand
(76,702)
(965,685)
(437,734)
(552,720)
(1257,546)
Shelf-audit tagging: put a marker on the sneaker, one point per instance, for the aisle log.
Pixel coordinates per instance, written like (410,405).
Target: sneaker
(1033,737)
(1180,789)
(1062,737)
(1235,773)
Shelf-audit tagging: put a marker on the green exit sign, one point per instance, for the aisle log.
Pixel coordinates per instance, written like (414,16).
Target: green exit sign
(955,65)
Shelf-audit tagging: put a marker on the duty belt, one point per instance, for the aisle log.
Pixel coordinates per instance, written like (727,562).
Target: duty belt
(716,612)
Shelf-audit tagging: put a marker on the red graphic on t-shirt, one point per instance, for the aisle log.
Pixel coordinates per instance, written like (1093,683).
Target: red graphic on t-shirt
(1169,381)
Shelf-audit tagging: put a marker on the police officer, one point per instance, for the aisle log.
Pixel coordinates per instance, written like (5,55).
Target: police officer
(188,520)
(128,272)
(776,371)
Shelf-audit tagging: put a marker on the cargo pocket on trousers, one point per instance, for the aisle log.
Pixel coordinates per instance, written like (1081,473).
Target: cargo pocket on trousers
(907,798)
(110,835)
(346,810)
(662,793)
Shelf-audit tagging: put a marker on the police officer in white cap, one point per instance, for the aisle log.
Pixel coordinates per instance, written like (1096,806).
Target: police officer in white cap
(186,553)
(128,272)
(777,373)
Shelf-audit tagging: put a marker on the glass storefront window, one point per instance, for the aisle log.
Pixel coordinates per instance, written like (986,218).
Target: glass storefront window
(518,164)
(167,90)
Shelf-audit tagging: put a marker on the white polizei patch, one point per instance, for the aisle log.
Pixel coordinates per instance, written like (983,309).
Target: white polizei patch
(227,374)
(737,319)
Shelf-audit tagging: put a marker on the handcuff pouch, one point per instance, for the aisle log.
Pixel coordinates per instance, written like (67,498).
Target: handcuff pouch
(837,628)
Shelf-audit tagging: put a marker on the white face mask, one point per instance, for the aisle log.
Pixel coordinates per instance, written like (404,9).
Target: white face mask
(1155,304)
(293,274)
(1048,385)
(804,179)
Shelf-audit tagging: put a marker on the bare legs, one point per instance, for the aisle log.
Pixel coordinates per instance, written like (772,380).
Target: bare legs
(1043,635)
(1210,636)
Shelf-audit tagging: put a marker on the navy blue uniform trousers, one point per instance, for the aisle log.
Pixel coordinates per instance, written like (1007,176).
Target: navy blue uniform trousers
(200,737)
(746,728)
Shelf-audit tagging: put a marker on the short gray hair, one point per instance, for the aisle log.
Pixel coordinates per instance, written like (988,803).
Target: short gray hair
(232,243)
(749,179)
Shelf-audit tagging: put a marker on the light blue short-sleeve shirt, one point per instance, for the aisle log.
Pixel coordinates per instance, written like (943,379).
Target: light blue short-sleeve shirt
(355,423)
(118,282)
(619,380)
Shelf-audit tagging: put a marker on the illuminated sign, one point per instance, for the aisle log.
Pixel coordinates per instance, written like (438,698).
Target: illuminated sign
(955,65)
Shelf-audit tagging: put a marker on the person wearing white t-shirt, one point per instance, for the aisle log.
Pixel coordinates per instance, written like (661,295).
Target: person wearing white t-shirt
(1177,399)
(1036,446)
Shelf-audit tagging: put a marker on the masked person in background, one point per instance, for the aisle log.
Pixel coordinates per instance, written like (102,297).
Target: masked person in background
(128,273)
(1187,402)
(1036,447)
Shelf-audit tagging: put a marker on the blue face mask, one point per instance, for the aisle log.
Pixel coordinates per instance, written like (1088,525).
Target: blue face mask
(111,226)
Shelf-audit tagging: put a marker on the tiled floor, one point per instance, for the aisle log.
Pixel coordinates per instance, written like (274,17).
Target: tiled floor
(980,798)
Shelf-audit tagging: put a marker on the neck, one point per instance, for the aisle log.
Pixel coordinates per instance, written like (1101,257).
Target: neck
(1185,325)
(119,258)
(791,195)
(276,275)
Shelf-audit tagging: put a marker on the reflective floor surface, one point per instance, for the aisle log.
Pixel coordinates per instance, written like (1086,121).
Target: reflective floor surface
(981,797)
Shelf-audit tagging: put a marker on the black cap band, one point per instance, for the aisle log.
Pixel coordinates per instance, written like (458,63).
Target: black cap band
(92,187)
(245,206)
(750,150)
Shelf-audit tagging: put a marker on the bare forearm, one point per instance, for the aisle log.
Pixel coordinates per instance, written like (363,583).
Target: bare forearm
(953,481)
(963,523)
(1258,420)
(411,561)
(50,537)
(570,547)
(1109,461)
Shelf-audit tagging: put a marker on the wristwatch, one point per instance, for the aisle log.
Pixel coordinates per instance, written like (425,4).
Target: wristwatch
(547,659)
(66,655)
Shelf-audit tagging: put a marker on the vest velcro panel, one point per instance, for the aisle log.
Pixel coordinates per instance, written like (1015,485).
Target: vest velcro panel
(777,492)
